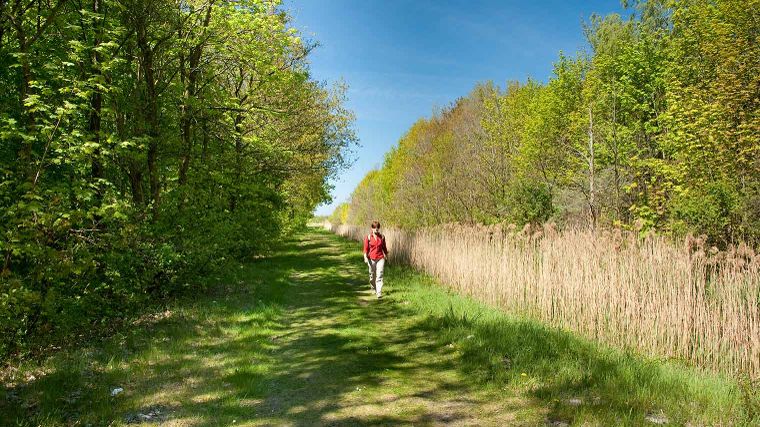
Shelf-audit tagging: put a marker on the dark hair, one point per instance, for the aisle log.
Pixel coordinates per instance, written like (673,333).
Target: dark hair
(375,224)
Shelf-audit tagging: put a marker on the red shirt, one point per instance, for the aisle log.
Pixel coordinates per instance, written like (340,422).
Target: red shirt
(374,246)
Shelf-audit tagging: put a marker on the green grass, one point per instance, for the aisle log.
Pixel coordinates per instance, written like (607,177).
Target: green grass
(297,339)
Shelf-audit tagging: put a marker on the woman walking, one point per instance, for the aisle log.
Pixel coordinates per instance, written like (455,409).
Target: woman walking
(375,253)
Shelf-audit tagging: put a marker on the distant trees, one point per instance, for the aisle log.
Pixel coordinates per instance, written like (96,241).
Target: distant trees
(655,127)
(146,141)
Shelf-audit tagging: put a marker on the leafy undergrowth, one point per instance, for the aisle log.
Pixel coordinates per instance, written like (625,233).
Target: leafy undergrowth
(297,339)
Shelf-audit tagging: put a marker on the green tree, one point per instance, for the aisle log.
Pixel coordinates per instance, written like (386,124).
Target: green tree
(143,143)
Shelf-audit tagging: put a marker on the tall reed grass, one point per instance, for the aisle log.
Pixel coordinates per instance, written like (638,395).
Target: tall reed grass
(684,301)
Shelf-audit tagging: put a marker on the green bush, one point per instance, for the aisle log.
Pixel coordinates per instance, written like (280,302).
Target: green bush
(709,209)
(61,285)
(531,203)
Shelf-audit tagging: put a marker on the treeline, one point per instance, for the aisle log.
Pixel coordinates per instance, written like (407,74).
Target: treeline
(656,126)
(144,143)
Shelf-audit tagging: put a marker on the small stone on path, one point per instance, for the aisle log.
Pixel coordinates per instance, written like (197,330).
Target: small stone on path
(152,414)
(657,418)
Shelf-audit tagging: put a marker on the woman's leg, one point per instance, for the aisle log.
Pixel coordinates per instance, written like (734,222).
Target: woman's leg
(372,270)
(379,267)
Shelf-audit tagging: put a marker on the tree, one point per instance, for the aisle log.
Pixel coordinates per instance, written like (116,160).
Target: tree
(144,143)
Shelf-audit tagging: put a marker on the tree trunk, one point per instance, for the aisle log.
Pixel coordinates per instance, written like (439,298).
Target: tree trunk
(96,102)
(151,119)
(27,117)
(204,146)
(135,175)
(238,159)
(189,76)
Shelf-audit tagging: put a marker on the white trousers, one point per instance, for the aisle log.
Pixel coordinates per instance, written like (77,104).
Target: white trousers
(376,267)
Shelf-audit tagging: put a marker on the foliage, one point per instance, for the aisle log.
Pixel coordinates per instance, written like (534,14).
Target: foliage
(655,126)
(531,203)
(340,215)
(145,142)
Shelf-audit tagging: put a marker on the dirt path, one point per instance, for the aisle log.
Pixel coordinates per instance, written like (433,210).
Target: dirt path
(342,357)
(292,339)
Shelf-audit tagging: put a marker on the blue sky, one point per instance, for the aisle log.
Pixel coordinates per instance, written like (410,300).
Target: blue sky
(401,59)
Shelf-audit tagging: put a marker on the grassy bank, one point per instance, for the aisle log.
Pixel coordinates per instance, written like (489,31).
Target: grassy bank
(297,339)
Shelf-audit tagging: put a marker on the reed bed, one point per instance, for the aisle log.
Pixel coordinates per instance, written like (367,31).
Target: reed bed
(652,295)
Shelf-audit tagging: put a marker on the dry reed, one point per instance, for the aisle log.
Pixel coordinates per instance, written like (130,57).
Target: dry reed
(689,302)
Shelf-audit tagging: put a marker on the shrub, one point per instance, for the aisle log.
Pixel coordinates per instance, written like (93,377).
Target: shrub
(531,203)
